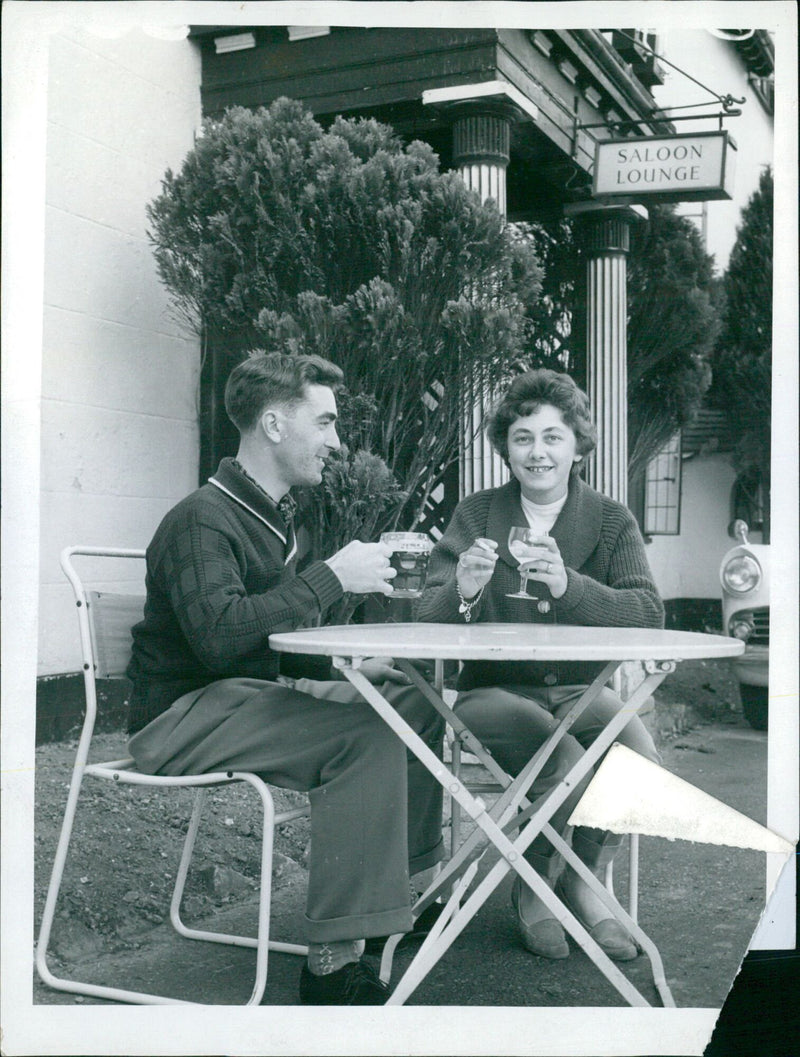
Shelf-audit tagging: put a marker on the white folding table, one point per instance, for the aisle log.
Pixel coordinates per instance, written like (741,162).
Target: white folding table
(348,645)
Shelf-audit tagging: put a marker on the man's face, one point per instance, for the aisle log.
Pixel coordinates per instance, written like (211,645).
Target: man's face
(307,437)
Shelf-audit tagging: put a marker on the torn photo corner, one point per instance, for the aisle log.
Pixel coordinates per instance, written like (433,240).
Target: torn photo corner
(630,794)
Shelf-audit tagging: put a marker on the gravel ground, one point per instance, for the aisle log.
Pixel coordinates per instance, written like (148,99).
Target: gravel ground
(127,841)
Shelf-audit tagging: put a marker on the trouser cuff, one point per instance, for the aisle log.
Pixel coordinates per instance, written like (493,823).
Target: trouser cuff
(359,926)
(426,859)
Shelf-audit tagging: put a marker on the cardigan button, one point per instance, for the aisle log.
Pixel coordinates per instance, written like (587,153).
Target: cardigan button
(550,679)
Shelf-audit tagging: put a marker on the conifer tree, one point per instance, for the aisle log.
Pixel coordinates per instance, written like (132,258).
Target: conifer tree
(673,322)
(346,243)
(742,361)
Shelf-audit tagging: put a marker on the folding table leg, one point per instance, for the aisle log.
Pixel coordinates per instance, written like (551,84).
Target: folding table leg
(633,927)
(430,955)
(422,962)
(512,852)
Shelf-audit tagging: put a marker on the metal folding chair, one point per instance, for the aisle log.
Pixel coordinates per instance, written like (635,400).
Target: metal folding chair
(457,744)
(105,622)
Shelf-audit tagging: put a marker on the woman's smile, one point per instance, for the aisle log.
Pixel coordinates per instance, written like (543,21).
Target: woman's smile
(542,450)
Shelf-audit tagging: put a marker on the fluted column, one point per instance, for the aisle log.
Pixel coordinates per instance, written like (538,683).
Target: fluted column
(604,234)
(481,152)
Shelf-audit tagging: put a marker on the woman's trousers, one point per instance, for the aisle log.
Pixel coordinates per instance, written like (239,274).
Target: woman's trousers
(514,721)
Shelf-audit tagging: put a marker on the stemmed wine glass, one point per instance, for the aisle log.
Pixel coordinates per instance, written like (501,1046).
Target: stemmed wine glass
(521,543)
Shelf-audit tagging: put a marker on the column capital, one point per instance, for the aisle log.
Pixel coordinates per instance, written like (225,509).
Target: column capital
(485,93)
(481,134)
(605,229)
(636,214)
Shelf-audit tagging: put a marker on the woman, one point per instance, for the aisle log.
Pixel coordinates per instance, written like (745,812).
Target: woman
(587,566)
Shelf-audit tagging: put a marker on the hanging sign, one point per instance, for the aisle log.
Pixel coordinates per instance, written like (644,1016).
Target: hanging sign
(695,167)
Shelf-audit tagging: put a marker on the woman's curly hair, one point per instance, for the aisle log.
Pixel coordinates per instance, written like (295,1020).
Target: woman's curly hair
(530,391)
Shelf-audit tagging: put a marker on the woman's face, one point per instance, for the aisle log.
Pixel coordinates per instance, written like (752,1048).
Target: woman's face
(541,453)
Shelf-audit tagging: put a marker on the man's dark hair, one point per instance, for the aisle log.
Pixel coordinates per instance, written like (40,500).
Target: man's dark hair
(527,393)
(274,378)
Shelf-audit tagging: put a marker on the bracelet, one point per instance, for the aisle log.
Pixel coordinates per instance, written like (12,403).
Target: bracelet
(466,607)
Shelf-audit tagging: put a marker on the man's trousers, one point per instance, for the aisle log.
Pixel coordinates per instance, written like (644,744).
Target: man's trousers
(376,812)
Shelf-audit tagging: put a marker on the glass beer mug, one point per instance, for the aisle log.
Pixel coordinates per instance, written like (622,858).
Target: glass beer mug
(410,553)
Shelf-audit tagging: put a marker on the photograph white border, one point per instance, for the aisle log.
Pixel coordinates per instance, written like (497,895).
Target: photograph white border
(29,1029)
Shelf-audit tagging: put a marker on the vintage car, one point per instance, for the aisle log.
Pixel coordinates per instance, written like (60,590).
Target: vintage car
(744,576)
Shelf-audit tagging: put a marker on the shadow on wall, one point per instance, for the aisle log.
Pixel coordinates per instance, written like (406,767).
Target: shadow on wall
(60,706)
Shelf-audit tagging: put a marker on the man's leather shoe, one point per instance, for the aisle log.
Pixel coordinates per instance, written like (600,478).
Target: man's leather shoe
(422,926)
(355,984)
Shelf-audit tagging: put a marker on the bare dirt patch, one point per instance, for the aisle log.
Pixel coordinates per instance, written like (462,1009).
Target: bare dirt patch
(127,842)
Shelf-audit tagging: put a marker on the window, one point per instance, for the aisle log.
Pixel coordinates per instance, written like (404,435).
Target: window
(764,88)
(662,496)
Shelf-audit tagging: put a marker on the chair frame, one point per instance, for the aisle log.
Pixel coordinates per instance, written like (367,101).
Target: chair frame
(123,772)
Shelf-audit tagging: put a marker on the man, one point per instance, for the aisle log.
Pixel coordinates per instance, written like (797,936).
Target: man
(209,694)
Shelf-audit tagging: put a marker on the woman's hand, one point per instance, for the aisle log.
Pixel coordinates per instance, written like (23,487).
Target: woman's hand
(547,566)
(476,566)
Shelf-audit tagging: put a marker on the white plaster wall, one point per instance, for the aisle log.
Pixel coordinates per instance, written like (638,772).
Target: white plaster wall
(719,66)
(687,566)
(119,432)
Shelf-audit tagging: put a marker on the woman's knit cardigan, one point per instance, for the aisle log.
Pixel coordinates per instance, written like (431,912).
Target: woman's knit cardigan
(609,582)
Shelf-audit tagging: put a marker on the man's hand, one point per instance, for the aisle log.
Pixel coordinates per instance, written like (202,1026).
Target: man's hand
(382,670)
(363,568)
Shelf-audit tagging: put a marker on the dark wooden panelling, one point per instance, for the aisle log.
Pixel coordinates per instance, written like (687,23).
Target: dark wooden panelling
(348,70)
(537,78)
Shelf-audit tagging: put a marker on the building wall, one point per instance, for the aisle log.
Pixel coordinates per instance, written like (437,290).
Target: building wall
(718,65)
(686,566)
(119,434)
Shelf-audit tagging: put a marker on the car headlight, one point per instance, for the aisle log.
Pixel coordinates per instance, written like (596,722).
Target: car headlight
(741,629)
(741,574)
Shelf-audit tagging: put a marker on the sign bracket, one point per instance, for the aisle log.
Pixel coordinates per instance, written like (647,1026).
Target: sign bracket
(611,125)
(729,103)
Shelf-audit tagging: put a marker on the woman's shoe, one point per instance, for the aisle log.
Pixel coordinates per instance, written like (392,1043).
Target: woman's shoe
(544,937)
(608,934)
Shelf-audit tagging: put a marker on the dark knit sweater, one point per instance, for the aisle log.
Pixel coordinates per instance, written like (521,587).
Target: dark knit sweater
(221,578)
(609,582)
